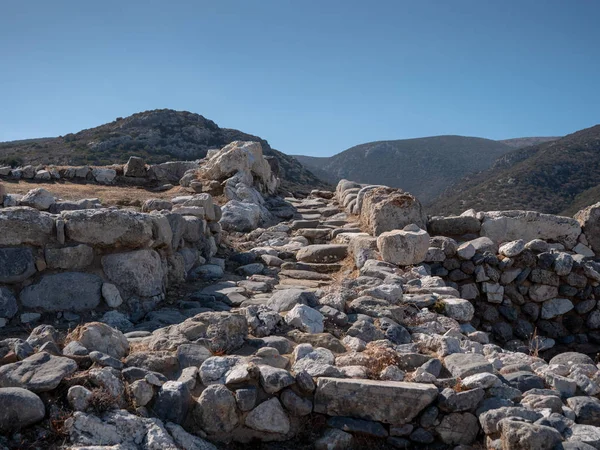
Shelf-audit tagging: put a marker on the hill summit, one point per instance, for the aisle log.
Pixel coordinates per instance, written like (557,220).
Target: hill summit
(157,136)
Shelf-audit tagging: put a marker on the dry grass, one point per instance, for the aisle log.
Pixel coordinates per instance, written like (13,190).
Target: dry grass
(534,344)
(108,195)
(101,401)
(381,357)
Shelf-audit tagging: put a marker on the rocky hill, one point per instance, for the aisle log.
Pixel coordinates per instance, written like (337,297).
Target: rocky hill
(528,141)
(425,166)
(554,177)
(157,136)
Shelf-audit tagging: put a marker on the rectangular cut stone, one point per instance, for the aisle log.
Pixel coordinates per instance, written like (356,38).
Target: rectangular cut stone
(393,402)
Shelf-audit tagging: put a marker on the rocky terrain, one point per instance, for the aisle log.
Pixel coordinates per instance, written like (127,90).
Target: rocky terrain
(424,166)
(156,136)
(557,177)
(230,317)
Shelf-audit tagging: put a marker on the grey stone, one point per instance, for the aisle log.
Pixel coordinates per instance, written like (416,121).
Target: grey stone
(462,365)
(8,303)
(67,291)
(20,409)
(322,253)
(458,429)
(269,417)
(16,264)
(215,410)
(101,337)
(70,258)
(382,401)
(139,272)
(38,373)
(273,379)
(173,402)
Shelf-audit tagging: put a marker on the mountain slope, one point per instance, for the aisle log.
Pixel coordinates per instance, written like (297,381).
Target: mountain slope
(554,177)
(157,136)
(528,141)
(425,166)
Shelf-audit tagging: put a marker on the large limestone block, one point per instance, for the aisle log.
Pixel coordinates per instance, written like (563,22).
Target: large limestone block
(383,401)
(239,216)
(385,209)
(109,227)
(343,186)
(404,247)
(589,219)
(25,226)
(504,226)
(139,272)
(454,225)
(67,291)
(244,157)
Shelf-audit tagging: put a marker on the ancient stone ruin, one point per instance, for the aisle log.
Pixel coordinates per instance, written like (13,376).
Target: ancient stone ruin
(230,316)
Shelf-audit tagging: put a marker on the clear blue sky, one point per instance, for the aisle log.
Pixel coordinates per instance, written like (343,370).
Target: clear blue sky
(311,77)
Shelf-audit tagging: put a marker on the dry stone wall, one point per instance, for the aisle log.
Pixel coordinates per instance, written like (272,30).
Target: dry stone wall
(135,172)
(526,273)
(94,260)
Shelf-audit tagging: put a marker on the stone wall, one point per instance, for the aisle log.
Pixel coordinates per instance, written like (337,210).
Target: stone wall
(88,261)
(527,274)
(135,172)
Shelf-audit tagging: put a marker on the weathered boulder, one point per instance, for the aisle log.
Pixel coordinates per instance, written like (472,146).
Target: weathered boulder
(70,258)
(109,227)
(135,167)
(139,272)
(66,291)
(25,226)
(40,372)
(404,247)
(240,157)
(102,338)
(16,264)
(382,401)
(458,309)
(519,435)
(156,204)
(462,365)
(504,226)
(20,408)
(386,209)
(215,410)
(240,216)
(38,198)
(218,331)
(589,219)
(103,175)
(269,417)
(305,318)
(118,429)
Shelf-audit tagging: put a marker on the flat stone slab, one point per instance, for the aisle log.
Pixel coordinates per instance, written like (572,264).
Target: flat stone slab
(38,373)
(462,365)
(322,253)
(392,402)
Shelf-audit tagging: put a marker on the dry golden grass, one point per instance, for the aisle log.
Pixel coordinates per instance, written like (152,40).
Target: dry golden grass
(108,195)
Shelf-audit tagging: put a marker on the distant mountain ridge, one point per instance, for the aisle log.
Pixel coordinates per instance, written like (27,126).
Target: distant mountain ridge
(556,177)
(424,167)
(157,136)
